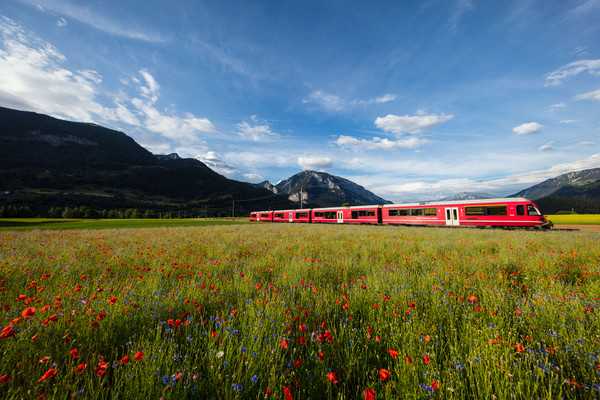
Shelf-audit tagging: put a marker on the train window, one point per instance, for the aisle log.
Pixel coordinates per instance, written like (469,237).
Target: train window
(496,210)
(416,211)
(531,210)
(326,214)
(354,215)
(520,209)
(264,215)
(302,215)
(474,210)
(404,212)
(279,215)
(431,211)
(393,213)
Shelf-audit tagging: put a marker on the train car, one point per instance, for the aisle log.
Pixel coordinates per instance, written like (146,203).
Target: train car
(291,216)
(348,215)
(504,212)
(261,216)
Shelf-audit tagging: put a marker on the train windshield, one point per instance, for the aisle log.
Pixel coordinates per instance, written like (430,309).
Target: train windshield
(532,210)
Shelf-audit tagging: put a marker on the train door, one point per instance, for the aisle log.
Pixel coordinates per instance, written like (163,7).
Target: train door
(340,217)
(452,216)
(291,217)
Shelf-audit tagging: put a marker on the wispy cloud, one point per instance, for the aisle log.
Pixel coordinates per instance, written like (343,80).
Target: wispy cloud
(331,102)
(256,131)
(32,78)
(548,146)
(576,67)
(86,15)
(527,128)
(378,143)
(593,95)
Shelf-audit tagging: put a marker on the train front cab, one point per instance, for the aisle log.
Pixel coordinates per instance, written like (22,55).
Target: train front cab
(512,213)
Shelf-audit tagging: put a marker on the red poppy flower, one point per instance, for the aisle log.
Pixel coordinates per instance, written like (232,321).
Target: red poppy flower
(298,363)
(7,332)
(125,360)
(411,305)
(393,353)
(74,353)
(284,344)
(288,393)
(28,312)
(53,318)
(426,359)
(48,374)
(519,348)
(384,374)
(44,359)
(321,356)
(369,394)
(101,316)
(434,385)
(332,378)
(101,368)
(80,368)
(112,300)
(4,379)
(408,359)
(138,356)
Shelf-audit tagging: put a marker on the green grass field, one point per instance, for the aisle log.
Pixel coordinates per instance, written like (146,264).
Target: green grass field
(261,311)
(63,224)
(575,219)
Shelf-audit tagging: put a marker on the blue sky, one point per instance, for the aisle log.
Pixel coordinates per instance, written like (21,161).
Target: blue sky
(414,100)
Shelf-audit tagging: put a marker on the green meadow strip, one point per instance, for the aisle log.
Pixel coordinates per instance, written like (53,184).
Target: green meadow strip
(301,311)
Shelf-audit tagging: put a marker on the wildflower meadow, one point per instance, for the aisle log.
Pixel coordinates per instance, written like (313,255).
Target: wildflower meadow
(279,311)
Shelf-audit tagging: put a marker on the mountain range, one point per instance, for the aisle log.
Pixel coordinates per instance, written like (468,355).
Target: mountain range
(47,162)
(320,189)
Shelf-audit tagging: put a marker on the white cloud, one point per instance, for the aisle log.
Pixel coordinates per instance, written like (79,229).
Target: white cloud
(314,162)
(31,78)
(567,121)
(61,22)
(384,99)
(527,128)
(254,177)
(548,146)
(558,106)
(557,76)
(594,95)
(378,143)
(329,102)
(214,161)
(255,132)
(410,123)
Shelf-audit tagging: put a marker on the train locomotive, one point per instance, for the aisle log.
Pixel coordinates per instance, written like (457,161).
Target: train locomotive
(514,212)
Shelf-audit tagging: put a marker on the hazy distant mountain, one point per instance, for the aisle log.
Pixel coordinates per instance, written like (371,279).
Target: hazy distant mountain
(320,189)
(47,162)
(581,185)
(468,196)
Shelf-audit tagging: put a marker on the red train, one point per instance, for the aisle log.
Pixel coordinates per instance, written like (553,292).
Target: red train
(505,212)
